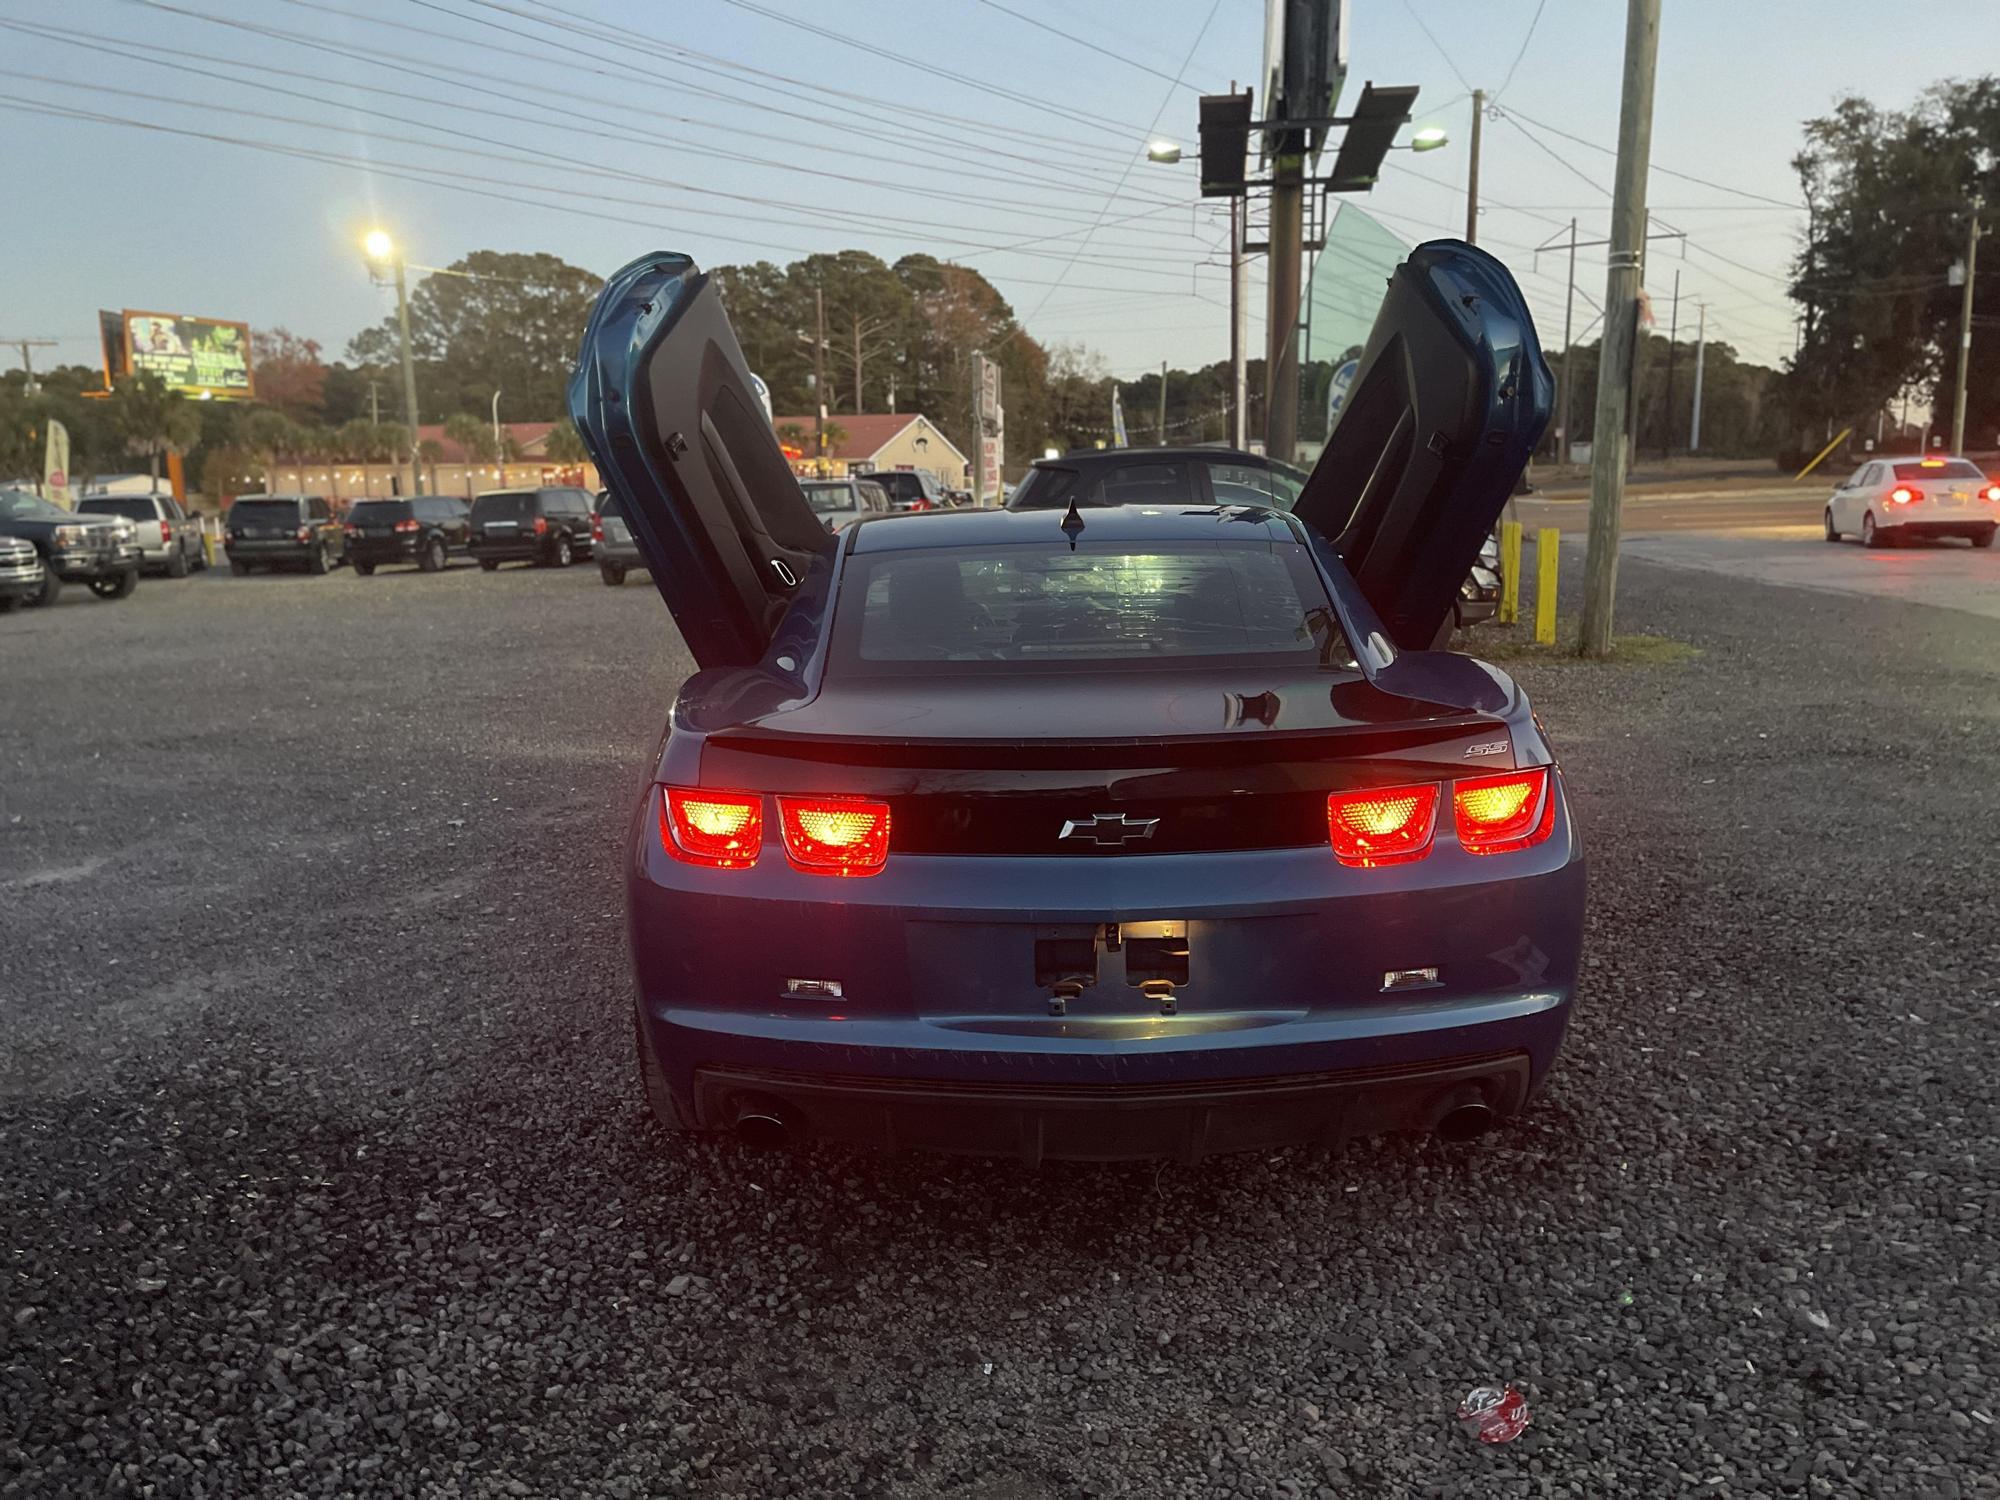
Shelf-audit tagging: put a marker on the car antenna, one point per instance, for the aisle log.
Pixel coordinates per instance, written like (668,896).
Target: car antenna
(1072,524)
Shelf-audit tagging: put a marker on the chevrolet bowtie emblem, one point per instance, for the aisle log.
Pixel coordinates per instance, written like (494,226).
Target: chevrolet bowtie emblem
(1109,830)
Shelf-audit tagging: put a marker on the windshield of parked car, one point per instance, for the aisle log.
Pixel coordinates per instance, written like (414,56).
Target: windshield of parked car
(1144,603)
(132,508)
(504,505)
(1950,468)
(829,497)
(19,505)
(270,512)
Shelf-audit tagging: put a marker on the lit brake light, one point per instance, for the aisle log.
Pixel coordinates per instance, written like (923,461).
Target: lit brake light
(835,835)
(1930,463)
(411,525)
(1902,494)
(166,531)
(1991,492)
(1381,825)
(1496,814)
(703,827)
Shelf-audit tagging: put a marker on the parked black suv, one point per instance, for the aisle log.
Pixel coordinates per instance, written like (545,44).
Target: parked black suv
(425,530)
(549,527)
(911,489)
(290,530)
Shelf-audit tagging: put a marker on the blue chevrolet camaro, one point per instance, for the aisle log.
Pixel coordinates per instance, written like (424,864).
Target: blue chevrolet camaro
(1153,829)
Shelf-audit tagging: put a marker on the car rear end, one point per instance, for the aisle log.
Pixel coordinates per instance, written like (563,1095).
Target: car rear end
(383,531)
(1940,497)
(611,540)
(906,489)
(268,532)
(509,526)
(152,530)
(1100,856)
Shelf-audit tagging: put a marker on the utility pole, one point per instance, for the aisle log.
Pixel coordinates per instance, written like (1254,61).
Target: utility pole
(819,383)
(1281,359)
(1964,333)
(499,452)
(1673,334)
(1163,403)
(374,404)
(1239,333)
(1621,324)
(27,348)
(1700,357)
(1565,437)
(409,380)
(1472,177)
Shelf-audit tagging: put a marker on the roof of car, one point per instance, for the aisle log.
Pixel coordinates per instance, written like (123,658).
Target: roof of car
(1211,452)
(1110,523)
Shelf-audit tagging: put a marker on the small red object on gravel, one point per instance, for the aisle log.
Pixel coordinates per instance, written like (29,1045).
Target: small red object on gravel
(1494,1414)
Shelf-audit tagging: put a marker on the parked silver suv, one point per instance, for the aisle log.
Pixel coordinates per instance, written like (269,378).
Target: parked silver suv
(169,538)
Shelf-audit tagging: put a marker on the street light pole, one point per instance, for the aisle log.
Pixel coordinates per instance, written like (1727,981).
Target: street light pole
(1239,375)
(1965,333)
(1564,436)
(499,452)
(409,379)
(1622,287)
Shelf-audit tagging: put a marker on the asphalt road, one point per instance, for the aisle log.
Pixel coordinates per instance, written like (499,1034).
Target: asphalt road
(321,1170)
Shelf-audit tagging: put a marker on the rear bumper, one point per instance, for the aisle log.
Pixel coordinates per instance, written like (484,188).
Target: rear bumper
(512,550)
(271,551)
(621,555)
(1110,1122)
(1968,526)
(401,549)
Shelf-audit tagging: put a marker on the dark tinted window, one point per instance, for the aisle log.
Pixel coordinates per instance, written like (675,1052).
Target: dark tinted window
(873,496)
(1253,484)
(316,508)
(607,505)
(380,512)
(1012,606)
(901,484)
(265,512)
(1948,468)
(132,508)
(505,505)
(824,498)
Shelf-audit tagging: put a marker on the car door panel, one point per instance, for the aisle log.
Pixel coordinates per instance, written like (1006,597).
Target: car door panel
(1451,397)
(665,403)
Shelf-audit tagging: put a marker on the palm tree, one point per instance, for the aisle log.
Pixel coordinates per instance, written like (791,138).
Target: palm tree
(564,444)
(430,450)
(475,438)
(274,435)
(152,419)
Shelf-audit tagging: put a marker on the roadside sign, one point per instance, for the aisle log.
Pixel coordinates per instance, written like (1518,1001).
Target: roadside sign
(1336,394)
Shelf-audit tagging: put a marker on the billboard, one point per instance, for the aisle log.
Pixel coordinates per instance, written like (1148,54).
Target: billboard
(195,356)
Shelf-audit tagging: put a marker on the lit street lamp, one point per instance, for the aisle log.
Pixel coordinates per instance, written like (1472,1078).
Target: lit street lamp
(1163,151)
(384,257)
(1429,139)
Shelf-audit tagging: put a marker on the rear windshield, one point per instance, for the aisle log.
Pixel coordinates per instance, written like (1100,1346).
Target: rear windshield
(378,512)
(607,505)
(1156,481)
(515,505)
(1013,607)
(279,511)
(132,509)
(1950,468)
(829,497)
(901,484)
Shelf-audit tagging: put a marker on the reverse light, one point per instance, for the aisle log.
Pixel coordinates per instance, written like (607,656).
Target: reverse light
(724,830)
(1902,494)
(1496,814)
(1381,825)
(835,835)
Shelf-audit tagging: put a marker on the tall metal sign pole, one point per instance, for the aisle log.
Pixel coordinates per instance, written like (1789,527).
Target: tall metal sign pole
(1965,334)
(1472,172)
(1281,344)
(1622,287)
(1239,331)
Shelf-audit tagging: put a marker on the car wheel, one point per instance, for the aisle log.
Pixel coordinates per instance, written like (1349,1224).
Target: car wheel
(177,565)
(433,559)
(240,569)
(564,555)
(487,564)
(614,575)
(319,563)
(119,586)
(1831,534)
(366,570)
(1984,538)
(51,590)
(653,1090)
(1871,534)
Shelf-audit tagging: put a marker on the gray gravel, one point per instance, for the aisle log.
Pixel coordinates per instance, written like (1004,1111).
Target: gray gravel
(321,1170)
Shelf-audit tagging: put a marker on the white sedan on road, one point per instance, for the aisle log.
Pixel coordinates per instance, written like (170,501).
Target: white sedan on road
(1890,500)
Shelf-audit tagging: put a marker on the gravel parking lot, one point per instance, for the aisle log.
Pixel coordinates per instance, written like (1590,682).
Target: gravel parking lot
(321,1170)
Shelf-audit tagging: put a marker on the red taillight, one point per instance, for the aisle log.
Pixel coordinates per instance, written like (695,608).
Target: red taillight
(835,835)
(1495,814)
(1991,492)
(351,529)
(706,827)
(166,531)
(541,525)
(305,533)
(1381,825)
(1902,494)
(596,527)
(409,526)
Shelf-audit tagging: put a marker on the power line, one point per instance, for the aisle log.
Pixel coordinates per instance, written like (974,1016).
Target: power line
(1720,187)
(1533,22)
(1439,46)
(1070,36)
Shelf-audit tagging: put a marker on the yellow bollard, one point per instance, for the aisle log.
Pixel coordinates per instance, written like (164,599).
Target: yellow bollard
(1548,547)
(207,544)
(1510,573)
